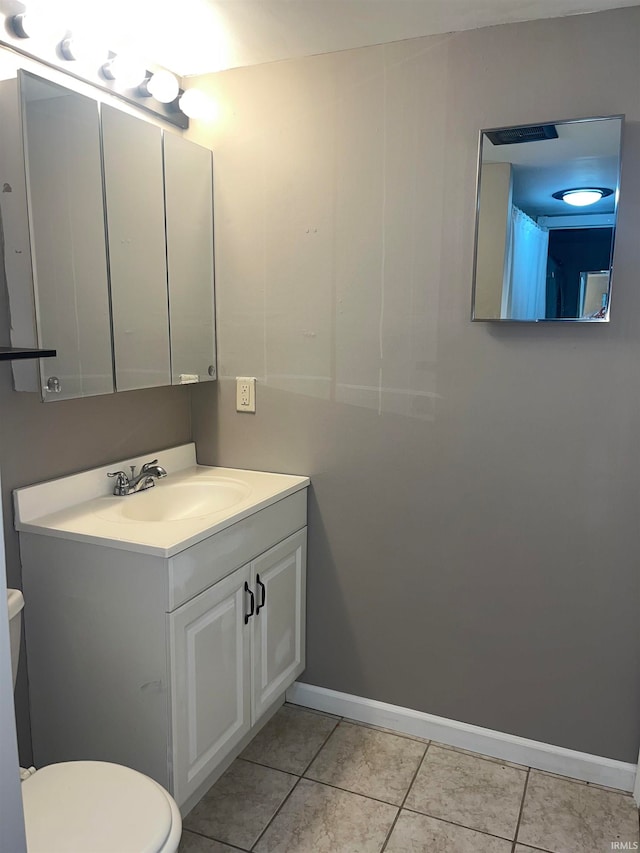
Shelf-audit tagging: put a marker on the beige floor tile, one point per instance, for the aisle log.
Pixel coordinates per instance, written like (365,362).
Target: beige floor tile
(320,819)
(417,833)
(192,843)
(568,817)
(369,762)
(241,803)
(290,739)
(468,790)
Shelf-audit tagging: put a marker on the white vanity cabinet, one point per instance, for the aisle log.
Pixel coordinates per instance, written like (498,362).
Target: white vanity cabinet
(234,650)
(165,659)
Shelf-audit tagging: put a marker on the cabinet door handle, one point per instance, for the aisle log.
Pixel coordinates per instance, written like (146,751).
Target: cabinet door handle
(263,594)
(248,616)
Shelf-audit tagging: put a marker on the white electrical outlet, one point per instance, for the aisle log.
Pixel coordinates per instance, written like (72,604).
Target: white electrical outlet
(245,393)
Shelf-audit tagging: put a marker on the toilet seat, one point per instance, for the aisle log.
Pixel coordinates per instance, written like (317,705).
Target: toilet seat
(97,807)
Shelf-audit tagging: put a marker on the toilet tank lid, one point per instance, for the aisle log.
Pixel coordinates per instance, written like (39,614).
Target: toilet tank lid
(15,602)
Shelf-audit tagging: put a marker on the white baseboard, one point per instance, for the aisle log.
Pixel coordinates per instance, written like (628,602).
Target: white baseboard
(520,750)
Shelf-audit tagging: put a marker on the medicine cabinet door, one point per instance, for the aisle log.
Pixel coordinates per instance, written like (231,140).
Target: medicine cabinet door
(137,250)
(189,212)
(66,220)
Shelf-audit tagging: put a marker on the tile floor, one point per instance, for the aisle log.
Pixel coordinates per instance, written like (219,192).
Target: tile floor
(313,783)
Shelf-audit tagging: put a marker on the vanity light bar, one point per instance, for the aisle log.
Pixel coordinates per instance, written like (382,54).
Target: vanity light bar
(155,92)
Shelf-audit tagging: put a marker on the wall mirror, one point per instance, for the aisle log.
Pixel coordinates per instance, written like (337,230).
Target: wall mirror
(106,241)
(546,219)
(64,190)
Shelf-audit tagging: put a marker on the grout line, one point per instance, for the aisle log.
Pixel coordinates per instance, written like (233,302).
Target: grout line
(297,777)
(599,787)
(384,731)
(464,826)
(268,766)
(422,760)
(313,711)
(209,838)
(404,799)
(277,812)
(292,772)
(323,744)
(532,849)
(503,761)
(390,832)
(451,822)
(281,806)
(524,794)
(349,791)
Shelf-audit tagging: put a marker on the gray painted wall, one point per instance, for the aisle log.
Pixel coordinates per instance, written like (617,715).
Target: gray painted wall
(474,513)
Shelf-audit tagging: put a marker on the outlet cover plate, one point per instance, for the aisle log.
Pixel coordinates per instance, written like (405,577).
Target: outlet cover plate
(245,393)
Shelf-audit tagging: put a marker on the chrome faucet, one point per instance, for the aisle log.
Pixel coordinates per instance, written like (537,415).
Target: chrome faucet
(149,473)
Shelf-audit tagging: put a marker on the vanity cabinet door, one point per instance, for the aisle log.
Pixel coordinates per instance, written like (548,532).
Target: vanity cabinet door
(61,132)
(209,647)
(188,175)
(278,628)
(133,179)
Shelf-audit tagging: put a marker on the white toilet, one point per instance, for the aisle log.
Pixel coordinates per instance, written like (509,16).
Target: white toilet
(79,806)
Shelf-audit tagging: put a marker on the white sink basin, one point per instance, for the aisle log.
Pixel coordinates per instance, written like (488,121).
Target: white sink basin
(192,503)
(178,501)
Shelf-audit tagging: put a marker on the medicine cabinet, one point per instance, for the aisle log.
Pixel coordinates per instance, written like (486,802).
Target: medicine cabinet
(546,207)
(108,227)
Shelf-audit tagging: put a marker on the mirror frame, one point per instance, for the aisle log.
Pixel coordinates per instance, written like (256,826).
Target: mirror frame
(616,190)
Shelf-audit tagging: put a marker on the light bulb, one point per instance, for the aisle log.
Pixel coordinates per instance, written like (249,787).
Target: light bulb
(195,104)
(163,86)
(84,49)
(127,71)
(582,198)
(32,25)
(21,26)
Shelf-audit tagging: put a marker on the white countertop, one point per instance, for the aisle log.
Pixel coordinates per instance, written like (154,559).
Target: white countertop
(82,507)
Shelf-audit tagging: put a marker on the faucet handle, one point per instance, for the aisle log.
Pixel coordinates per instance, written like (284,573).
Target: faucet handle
(122,482)
(148,465)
